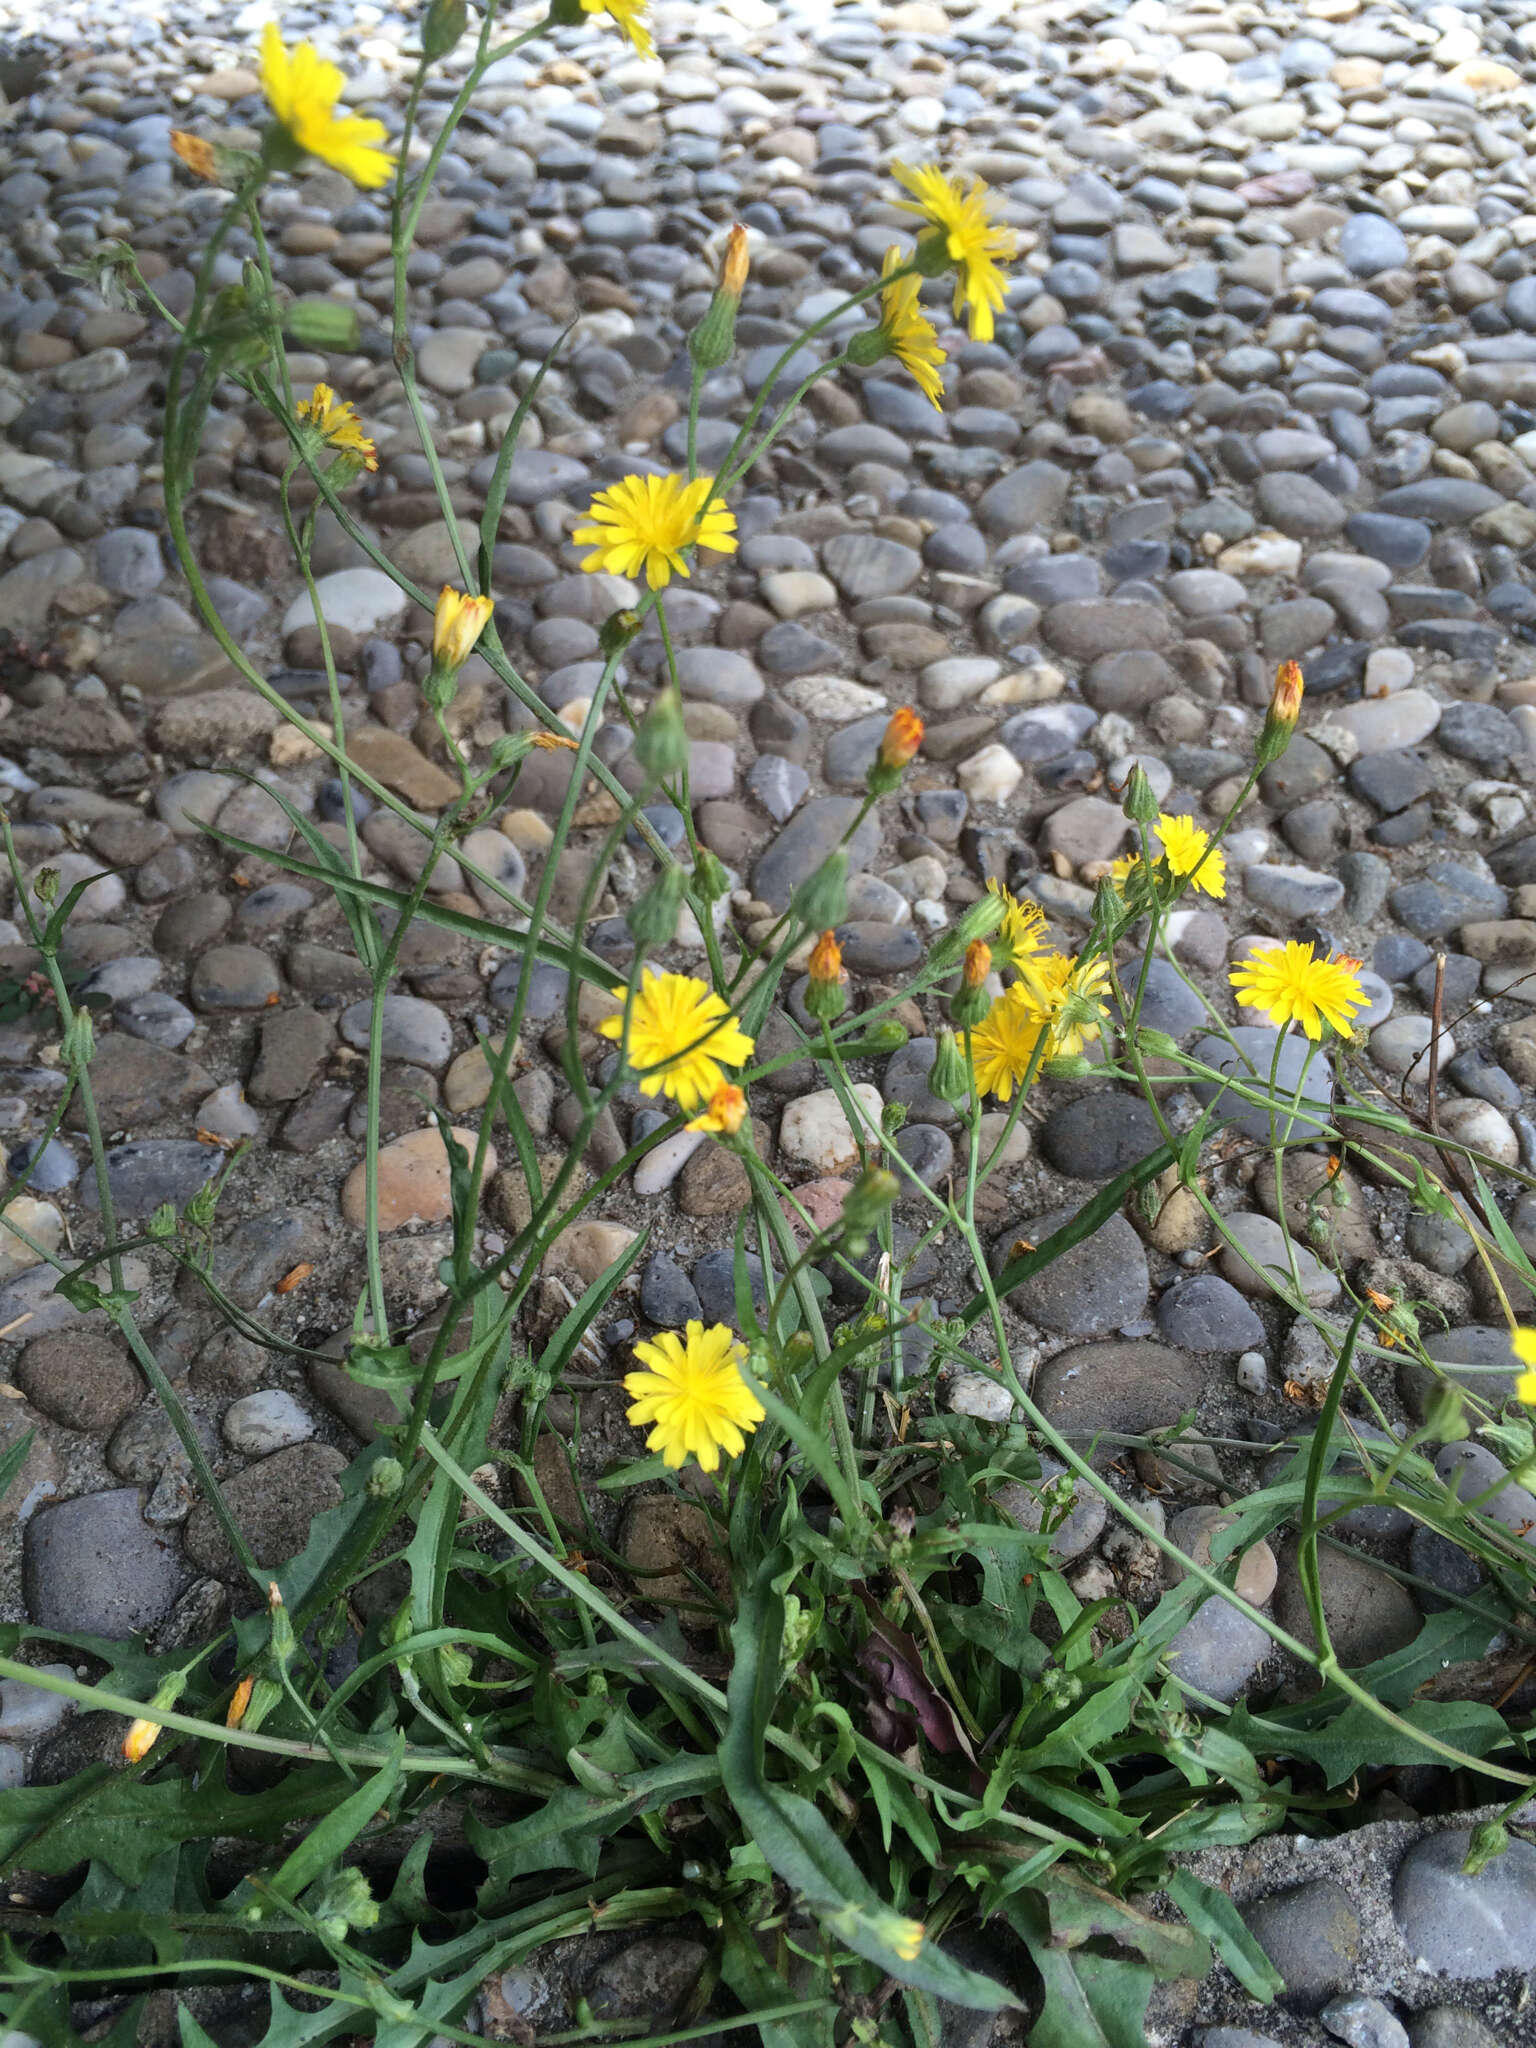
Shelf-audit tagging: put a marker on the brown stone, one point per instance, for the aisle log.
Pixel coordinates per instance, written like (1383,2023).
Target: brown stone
(663,1540)
(391,759)
(413,1180)
(714,1182)
(82,1378)
(273,1503)
(137,1084)
(1311,1198)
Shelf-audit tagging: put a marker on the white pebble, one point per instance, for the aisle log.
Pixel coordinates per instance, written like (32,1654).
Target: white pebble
(1253,1373)
(972,1393)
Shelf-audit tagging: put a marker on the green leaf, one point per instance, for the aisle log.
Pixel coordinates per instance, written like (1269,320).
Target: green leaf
(1356,1736)
(574,1825)
(341,1827)
(1214,1914)
(1091,2001)
(1079,1911)
(797,1843)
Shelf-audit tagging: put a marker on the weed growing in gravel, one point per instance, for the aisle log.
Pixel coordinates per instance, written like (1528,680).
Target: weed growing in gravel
(861,1733)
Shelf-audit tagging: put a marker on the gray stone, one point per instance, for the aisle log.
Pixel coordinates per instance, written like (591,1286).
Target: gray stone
(1298,506)
(1312,1936)
(1097,1286)
(1087,627)
(1071,1534)
(1207,1313)
(1027,497)
(1363,2022)
(95,1566)
(413,1030)
(806,842)
(1217,1651)
(1127,1387)
(1252,1058)
(1292,892)
(270,1420)
(129,561)
(1099,1135)
(1466,1927)
(1369,243)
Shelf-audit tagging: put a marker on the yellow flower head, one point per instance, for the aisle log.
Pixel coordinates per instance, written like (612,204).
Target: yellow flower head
(457,624)
(974,242)
(680,1035)
(1293,985)
(1074,1000)
(643,524)
(195,153)
(630,15)
(725,1114)
(1523,1343)
(1021,935)
(908,332)
(1188,851)
(693,1395)
(337,424)
(1007,1042)
(302,90)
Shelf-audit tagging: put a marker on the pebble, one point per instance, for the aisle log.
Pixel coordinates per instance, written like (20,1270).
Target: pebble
(1466,1927)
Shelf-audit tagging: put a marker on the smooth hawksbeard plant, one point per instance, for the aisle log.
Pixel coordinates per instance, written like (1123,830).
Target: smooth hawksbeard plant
(303,89)
(644,524)
(693,1396)
(680,1036)
(1292,985)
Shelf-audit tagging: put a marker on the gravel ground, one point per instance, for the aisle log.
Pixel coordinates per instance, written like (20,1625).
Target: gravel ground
(1264,388)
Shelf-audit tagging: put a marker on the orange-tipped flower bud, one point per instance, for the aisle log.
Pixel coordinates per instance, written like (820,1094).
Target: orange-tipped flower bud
(1284,710)
(240,1702)
(140,1740)
(1286,702)
(826,995)
(724,1114)
(826,959)
(902,738)
(972,1002)
(733,271)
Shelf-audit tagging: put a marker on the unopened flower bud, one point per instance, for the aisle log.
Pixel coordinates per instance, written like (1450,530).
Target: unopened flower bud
(822,900)
(869,1198)
(144,1733)
(1444,1415)
(653,915)
(1157,1045)
(714,339)
(616,632)
(826,993)
(950,1076)
(711,877)
(1489,1838)
(898,744)
(1140,801)
(1069,1067)
(457,624)
(241,1699)
(386,1479)
(441,27)
(971,1002)
(661,738)
(1284,710)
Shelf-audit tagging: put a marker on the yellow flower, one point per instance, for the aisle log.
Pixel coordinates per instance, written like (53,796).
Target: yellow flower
(974,242)
(1073,995)
(680,1033)
(908,332)
(1292,984)
(726,1113)
(694,1395)
(906,1937)
(644,522)
(1523,1343)
(630,15)
(1021,935)
(1004,1044)
(302,90)
(457,624)
(195,153)
(338,424)
(1188,851)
